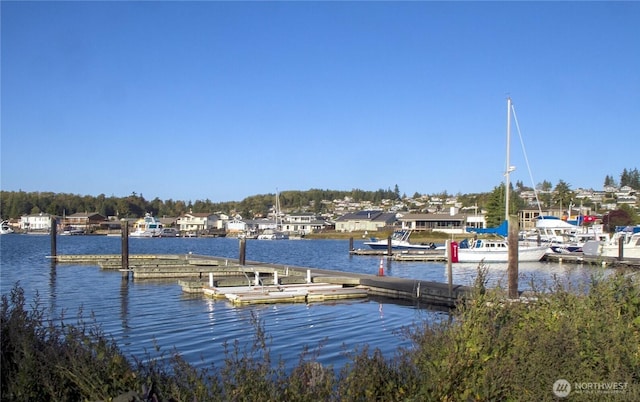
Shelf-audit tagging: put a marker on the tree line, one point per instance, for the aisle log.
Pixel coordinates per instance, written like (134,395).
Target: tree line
(14,204)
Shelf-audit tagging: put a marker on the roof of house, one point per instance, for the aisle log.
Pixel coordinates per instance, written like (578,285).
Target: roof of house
(200,214)
(433,217)
(373,216)
(85,215)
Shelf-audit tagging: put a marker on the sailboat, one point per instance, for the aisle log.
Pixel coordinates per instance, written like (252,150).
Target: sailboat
(277,233)
(490,250)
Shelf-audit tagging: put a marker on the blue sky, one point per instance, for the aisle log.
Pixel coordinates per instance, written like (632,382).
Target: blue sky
(223,100)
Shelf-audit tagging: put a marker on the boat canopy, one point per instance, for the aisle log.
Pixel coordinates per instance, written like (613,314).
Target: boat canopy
(502,230)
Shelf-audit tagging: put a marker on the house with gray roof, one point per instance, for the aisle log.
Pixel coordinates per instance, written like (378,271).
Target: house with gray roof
(365,220)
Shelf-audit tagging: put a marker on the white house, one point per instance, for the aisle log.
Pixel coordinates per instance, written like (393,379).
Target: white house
(303,223)
(36,222)
(237,226)
(198,221)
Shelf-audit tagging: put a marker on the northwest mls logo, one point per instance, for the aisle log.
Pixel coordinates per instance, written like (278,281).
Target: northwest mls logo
(561,388)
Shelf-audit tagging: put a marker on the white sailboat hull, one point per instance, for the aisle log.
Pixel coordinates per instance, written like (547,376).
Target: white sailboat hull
(525,254)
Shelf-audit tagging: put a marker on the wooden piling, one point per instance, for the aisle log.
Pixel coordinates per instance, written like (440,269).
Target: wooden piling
(512,268)
(620,248)
(243,251)
(54,232)
(389,247)
(350,243)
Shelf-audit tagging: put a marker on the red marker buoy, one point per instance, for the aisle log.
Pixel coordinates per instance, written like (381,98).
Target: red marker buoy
(381,268)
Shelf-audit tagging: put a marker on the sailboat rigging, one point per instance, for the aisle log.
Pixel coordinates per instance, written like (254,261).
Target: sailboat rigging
(277,233)
(487,250)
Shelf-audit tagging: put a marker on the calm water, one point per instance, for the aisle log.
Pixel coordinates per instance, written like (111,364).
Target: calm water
(143,313)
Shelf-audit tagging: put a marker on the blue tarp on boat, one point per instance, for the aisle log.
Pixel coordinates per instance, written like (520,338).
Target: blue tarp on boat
(502,230)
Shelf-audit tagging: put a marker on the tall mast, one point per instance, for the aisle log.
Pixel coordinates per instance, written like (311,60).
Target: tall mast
(508,168)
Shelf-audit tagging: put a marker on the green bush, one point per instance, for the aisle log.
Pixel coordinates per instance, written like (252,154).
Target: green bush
(495,349)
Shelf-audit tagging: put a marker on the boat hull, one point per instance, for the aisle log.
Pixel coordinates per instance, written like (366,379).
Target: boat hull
(533,254)
(385,246)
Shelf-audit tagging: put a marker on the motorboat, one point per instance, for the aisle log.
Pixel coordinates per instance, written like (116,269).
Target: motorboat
(399,241)
(5,228)
(270,234)
(564,237)
(149,226)
(628,238)
(71,231)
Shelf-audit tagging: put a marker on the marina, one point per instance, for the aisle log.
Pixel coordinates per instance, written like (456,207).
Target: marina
(140,312)
(258,282)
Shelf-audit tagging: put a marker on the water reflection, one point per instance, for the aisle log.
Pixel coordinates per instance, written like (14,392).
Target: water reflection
(52,286)
(124,305)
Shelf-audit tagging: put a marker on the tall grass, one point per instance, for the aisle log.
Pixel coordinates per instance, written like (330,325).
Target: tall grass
(490,349)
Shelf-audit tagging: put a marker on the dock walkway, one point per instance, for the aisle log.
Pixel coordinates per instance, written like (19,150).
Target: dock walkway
(257,282)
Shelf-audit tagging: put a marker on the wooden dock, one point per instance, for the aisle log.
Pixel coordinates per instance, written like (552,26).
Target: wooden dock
(579,258)
(305,293)
(256,282)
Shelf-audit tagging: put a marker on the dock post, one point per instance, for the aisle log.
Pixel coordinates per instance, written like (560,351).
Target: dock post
(449,269)
(308,276)
(54,232)
(275,277)
(351,243)
(620,248)
(389,247)
(512,268)
(243,251)
(256,280)
(124,228)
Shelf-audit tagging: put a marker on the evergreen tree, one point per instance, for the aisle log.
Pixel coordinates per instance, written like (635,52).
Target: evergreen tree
(609,181)
(562,194)
(495,206)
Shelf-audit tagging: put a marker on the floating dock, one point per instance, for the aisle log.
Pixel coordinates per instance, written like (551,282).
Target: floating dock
(305,293)
(579,258)
(256,282)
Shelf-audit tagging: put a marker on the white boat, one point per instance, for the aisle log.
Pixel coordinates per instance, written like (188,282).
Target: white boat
(496,250)
(277,233)
(149,226)
(5,228)
(490,250)
(169,232)
(400,241)
(629,237)
(564,237)
(270,234)
(71,231)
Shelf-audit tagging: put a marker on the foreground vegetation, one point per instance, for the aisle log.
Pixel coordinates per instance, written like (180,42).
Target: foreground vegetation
(491,349)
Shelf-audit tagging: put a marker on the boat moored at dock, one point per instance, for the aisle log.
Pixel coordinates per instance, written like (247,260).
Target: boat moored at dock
(149,226)
(400,241)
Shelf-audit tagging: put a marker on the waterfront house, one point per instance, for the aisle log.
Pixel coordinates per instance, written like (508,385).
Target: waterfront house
(442,222)
(198,222)
(303,223)
(86,221)
(365,220)
(36,222)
